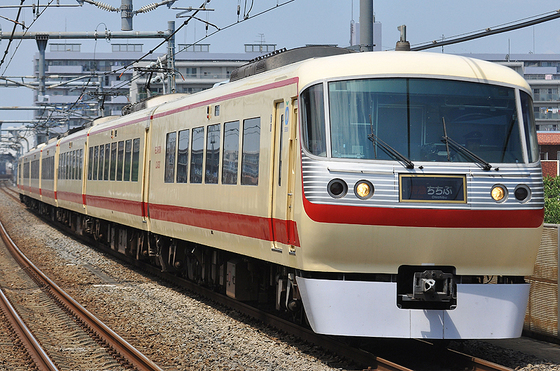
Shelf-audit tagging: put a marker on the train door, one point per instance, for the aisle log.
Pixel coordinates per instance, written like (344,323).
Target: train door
(283,229)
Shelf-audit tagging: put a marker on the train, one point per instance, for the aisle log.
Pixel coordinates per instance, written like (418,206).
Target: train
(390,194)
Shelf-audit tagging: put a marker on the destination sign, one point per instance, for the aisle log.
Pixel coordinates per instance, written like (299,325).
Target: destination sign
(432,188)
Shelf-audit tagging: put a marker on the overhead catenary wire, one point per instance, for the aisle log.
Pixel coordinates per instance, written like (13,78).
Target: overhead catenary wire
(506,27)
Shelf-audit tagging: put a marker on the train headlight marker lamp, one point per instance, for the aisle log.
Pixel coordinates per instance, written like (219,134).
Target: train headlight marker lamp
(363,189)
(337,188)
(522,193)
(499,193)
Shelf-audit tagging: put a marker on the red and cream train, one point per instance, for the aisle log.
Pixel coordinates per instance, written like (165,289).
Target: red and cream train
(386,194)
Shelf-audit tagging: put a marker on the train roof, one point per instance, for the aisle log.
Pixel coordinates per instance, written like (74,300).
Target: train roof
(408,64)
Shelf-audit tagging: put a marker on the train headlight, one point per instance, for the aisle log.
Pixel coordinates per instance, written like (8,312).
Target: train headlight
(337,188)
(363,189)
(522,193)
(499,193)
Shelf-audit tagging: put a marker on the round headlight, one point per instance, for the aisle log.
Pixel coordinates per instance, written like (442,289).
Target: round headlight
(363,189)
(337,188)
(522,193)
(499,193)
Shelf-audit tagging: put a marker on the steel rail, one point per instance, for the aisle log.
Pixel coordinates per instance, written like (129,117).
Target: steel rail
(29,342)
(127,351)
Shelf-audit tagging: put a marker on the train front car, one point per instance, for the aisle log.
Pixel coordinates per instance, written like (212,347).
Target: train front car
(422,196)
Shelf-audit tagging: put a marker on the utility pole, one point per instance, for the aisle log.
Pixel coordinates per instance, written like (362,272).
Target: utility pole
(366,25)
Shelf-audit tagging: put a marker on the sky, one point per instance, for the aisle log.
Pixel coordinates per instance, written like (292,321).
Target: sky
(294,24)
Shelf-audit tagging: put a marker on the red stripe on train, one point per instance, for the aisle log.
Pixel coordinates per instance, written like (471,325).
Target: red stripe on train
(430,218)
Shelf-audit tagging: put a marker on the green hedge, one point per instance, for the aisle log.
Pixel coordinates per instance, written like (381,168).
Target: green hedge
(552,200)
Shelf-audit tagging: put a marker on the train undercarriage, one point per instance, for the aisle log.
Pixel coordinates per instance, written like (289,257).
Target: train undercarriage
(266,285)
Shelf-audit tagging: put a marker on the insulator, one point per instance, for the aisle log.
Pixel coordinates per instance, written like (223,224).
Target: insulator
(106,7)
(147,8)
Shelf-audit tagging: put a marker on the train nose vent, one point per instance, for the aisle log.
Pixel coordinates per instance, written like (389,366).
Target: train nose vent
(421,288)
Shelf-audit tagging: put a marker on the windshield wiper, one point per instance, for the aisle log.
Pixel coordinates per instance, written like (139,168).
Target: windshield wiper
(390,150)
(460,148)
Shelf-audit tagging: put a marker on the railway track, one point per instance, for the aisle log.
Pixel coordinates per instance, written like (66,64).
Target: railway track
(366,357)
(101,336)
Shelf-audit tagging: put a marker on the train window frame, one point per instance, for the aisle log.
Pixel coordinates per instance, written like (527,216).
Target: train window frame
(183,156)
(101,162)
(196,170)
(107,161)
(135,159)
(120,160)
(80,163)
(314,131)
(127,159)
(90,164)
(113,169)
(95,162)
(229,176)
(73,164)
(170,154)
(211,163)
(251,150)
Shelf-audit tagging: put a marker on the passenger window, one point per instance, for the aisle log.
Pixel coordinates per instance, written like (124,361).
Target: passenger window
(212,154)
(107,161)
(113,160)
(251,148)
(135,159)
(231,153)
(127,159)
(120,160)
(197,147)
(101,161)
(183,156)
(73,164)
(90,165)
(170,144)
(80,163)
(95,161)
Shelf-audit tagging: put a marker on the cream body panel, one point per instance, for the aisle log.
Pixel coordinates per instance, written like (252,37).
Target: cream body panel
(330,247)
(237,200)
(69,191)
(106,197)
(48,186)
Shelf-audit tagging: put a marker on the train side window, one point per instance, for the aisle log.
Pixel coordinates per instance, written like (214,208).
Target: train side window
(113,160)
(95,161)
(73,164)
(212,154)
(313,120)
(135,159)
(197,148)
(170,145)
(127,159)
(101,161)
(231,153)
(61,166)
(120,160)
(107,161)
(183,156)
(90,164)
(76,165)
(251,149)
(80,163)
(66,171)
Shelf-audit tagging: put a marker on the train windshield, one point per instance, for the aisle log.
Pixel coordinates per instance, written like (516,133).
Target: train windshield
(420,119)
